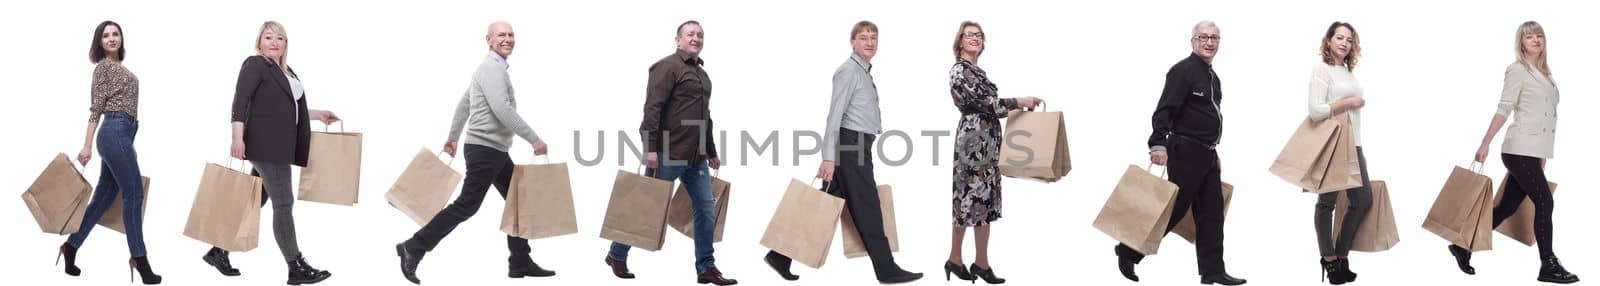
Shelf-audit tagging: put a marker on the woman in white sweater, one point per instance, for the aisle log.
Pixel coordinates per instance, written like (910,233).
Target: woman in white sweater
(1529,94)
(1334,91)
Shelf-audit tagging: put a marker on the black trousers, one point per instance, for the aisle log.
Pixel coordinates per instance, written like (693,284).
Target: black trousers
(1194,169)
(485,166)
(1528,181)
(853,180)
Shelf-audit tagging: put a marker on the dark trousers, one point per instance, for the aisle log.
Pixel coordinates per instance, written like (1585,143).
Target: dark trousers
(853,181)
(1527,180)
(1360,203)
(485,166)
(1194,169)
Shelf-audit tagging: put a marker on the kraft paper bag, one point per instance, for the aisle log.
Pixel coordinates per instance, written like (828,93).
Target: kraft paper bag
(1137,212)
(227,209)
(59,197)
(637,213)
(680,214)
(424,187)
(802,227)
(1378,232)
(1186,227)
(853,247)
(112,219)
(1045,134)
(333,168)
(1320,157)
(1520,225)
(539,204)
(1463,212)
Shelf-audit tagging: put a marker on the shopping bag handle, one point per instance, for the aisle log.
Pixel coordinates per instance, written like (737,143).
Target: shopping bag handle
(537,156)
(229,163)
(326,124)
(824,184)
(1151,167)
(1478,170)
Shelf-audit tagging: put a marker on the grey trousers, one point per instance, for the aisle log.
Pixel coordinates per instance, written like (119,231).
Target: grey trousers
(1360,203)
(276,187)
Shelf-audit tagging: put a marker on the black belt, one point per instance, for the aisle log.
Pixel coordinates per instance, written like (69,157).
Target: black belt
(1208,146)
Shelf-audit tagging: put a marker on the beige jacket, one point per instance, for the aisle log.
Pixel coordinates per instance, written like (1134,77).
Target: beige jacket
(1533,97)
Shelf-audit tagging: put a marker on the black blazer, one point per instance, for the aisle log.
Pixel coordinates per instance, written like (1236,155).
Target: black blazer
(266,106)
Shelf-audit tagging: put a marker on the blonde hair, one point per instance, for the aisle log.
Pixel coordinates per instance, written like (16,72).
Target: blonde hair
(1538,63)
(961,35)
(282,61)
(1355,46)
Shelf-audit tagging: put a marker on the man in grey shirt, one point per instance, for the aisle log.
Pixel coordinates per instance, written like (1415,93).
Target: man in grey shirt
(853,123)
(489,112)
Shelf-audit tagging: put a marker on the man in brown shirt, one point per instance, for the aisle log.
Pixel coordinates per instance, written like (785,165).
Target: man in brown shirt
(677,121)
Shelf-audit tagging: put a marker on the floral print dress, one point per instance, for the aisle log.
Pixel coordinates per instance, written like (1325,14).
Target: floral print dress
(976,187)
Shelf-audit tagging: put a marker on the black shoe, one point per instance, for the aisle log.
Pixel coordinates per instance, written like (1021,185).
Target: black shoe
(1221,278)
(781,265)
(1330,272)
(960,272)
(146,276)
(218,258)
(987,275)
(899,276)
(1343,266)
(301,272)
(71,253)
(1463,259)
(619,268)
(1551,271)
(714,276)
(523,266)
(1126,258)
(408,262)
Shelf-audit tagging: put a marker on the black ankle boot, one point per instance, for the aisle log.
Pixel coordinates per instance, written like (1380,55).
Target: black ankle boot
(1463,259)
(1126,258)
(218,258)
(1551,271)
(1330,272)
(71,253)
(1343,266)
(780,264)
(960,272)
(142,264)
(987,275)
(301,272)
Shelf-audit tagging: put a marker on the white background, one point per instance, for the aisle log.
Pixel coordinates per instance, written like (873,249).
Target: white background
(394,70)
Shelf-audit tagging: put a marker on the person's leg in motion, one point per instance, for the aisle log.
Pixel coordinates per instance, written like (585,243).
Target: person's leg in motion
(696,179)
(617,257)
(1528,172)
(520,263)
(484,165)
(1209,223)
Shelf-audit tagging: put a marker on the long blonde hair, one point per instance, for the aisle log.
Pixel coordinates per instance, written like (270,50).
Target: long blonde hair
(1538,63)
(283,61)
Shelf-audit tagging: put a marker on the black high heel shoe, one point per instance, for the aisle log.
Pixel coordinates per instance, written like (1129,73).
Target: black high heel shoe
(146,276)
(960,272)
(71,253)
(987,275)
(1342,265)
(1331,273)
(1463,259)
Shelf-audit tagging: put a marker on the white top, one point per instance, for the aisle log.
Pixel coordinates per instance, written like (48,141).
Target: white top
(1328,84)
(1531,98)
(299,91)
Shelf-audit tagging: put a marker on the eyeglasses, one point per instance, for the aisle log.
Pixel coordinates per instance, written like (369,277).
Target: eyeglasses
(1208,38)
(972,35)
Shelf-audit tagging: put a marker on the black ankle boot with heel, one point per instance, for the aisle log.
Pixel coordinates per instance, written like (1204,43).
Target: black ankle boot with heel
(1342,265)
(960,272)
(142,265)
(71,254)
(1330,272)
(987,275)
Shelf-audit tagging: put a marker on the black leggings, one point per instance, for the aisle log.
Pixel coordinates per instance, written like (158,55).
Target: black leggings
(1527,180)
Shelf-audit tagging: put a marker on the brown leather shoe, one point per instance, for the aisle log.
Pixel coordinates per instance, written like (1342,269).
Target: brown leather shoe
(619,268)
(714,276)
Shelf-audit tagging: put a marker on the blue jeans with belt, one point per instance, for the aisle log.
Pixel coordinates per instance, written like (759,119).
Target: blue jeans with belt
(119,175)
(696,179)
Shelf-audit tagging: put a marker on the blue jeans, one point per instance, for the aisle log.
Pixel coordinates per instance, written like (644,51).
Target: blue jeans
(119,175)
(696,178)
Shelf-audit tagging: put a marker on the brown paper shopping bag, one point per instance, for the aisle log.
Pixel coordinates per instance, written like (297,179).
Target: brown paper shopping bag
(58,197)
(1463,212)
(424,187)
(853,247)
(1186,227)
(112,218)
(680,214)
(539,204)
(227,209)
(1044,135)
(1138,210)
(333,168)
(637,213)
(1520,225)
(1320,157)
(803,225)
(1378,231)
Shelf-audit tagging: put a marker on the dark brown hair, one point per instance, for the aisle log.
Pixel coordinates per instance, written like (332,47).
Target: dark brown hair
(679,31)
(97,52)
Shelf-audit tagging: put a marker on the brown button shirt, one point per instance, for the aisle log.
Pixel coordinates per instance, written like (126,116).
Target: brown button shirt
(677,109)
(114,89)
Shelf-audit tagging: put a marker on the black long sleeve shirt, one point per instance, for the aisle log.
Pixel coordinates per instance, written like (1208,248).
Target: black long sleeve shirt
(1190,105)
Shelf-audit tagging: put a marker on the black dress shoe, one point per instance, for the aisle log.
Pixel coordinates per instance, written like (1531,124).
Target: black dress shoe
(1126,258)
(1221,278)
(71,253)
(1463,259)
(408,262)
(987,275)
(218,259)
(780,264)
(619,268)
(960,272)
(1551,271)
(899,276)
(301,272)
(523,266)
(714,276)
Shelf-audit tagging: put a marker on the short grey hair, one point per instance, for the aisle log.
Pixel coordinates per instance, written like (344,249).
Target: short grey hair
(1205,24)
